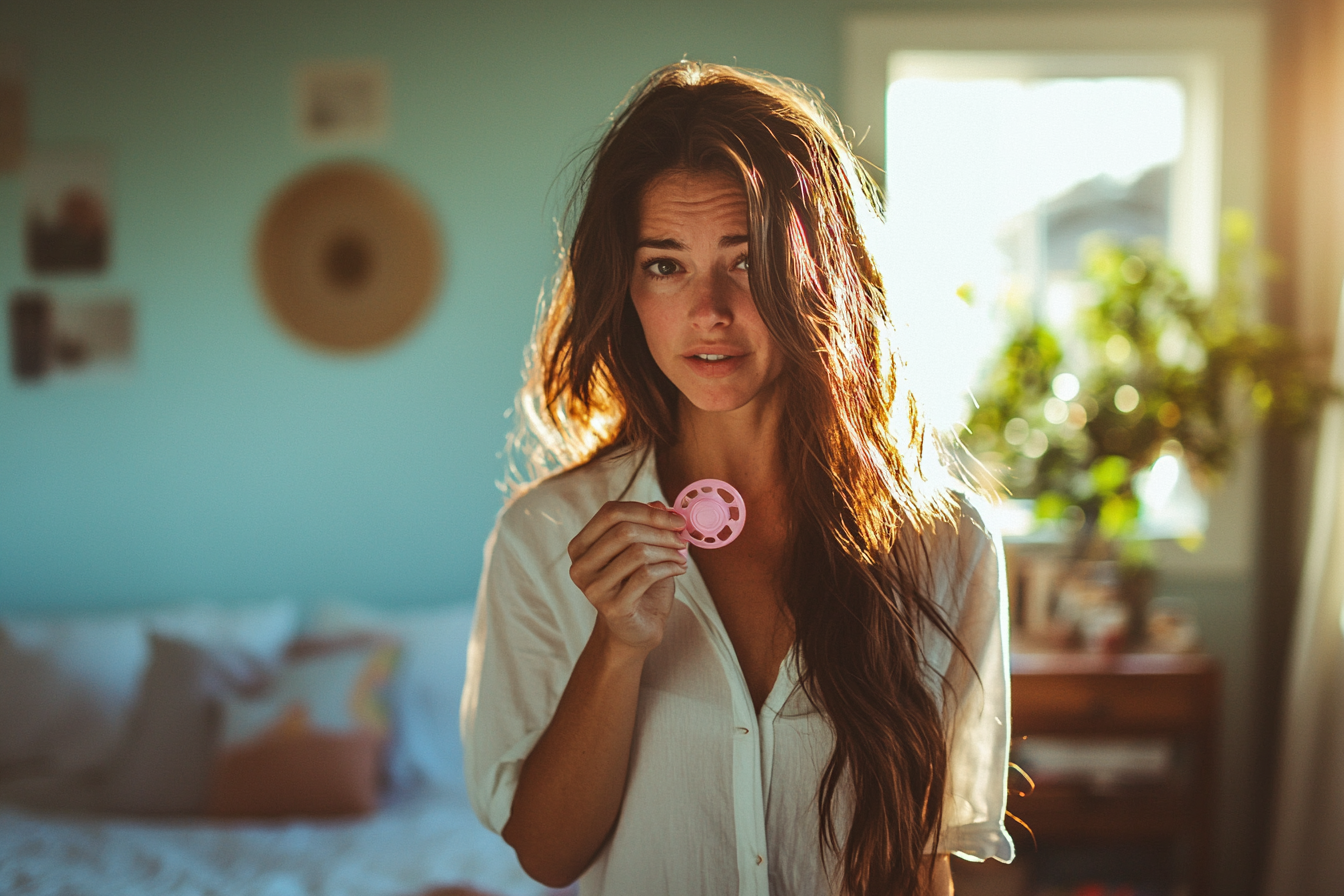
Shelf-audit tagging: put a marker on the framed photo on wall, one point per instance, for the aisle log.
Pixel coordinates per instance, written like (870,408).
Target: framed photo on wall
(67,211)
(65,336)
(336,102)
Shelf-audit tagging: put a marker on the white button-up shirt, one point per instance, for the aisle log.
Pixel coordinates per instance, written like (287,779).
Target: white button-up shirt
(719,798)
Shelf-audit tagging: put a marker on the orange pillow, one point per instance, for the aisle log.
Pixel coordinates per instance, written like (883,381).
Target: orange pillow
(312,743)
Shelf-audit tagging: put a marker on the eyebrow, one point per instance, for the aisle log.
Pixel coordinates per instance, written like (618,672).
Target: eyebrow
(734,239)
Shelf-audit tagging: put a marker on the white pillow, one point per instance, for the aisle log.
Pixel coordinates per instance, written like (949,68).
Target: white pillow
(259,632)
(426,690)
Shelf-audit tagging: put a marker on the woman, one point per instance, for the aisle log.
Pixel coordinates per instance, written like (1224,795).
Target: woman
(818,706)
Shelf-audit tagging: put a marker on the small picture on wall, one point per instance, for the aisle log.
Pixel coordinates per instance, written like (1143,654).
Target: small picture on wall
(342,101)
(13,111)
(68,220)
(63,336)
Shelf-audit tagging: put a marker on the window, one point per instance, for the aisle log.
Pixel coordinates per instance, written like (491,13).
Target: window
(1003,140)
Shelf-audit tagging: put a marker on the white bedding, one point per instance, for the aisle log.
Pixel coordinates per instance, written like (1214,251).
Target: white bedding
(402,850)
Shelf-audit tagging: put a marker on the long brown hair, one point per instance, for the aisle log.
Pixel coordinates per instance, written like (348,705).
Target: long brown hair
(863,477)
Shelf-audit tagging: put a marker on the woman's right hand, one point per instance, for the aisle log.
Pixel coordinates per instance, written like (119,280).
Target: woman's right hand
(624,561)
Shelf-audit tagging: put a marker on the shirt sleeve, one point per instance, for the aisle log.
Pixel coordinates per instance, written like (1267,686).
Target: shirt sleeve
(517,667)
(971,586)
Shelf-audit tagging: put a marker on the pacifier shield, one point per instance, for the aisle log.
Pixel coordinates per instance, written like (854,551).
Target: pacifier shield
(713,510)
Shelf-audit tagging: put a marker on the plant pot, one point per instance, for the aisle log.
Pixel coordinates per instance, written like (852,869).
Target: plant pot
(1138,584)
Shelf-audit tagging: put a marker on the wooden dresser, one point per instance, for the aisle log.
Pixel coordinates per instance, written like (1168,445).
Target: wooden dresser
(1168,702)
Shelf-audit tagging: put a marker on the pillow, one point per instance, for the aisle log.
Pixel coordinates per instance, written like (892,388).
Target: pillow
(255,632)
(312,743)
(425,749)
(163,764)
(66,685)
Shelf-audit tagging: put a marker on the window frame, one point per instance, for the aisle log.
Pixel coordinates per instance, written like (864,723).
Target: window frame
(1220,57)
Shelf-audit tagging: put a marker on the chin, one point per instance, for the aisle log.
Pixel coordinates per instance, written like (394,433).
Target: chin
(717,402)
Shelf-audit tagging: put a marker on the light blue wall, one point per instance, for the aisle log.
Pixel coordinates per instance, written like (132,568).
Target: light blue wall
(234,462)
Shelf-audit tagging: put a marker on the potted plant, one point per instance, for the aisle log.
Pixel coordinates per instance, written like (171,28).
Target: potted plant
(1156,381)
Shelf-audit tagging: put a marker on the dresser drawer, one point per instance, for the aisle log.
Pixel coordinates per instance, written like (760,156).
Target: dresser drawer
(1102,703)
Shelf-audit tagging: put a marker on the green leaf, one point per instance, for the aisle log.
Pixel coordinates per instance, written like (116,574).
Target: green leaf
(1109,474)
(1118,516)
(1051,506)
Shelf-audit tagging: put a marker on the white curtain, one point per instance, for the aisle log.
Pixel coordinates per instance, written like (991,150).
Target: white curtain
(1307,848)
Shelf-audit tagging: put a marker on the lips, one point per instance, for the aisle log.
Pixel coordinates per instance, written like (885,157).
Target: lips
(713,350)
(714,361)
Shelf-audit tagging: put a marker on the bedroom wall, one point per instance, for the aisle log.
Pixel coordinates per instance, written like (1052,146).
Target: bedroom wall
(233,462)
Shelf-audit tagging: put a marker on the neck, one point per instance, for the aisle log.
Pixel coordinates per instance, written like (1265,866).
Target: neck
(740,447)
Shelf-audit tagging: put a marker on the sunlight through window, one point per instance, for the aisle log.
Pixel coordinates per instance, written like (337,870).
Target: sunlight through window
(993,185)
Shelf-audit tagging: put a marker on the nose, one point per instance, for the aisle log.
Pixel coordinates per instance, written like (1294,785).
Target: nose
(711,301)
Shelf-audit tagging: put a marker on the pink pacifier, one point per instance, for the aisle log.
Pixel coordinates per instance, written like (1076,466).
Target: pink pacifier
(714,512)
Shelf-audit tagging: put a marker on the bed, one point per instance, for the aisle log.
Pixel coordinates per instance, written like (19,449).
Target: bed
(418,846)
(96,790)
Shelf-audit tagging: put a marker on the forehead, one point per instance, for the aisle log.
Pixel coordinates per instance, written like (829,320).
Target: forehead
(677,200)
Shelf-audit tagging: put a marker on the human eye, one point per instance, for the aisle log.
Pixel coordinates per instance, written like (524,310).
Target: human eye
(743,263)
(660,267)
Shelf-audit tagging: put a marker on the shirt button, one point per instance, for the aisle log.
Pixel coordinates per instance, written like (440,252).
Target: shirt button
(760,859)
(742,730)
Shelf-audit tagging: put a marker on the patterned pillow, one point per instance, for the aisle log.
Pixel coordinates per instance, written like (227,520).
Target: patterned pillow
(312,743)
(424,747)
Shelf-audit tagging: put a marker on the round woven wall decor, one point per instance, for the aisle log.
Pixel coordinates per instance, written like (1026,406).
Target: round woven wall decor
(347,257)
